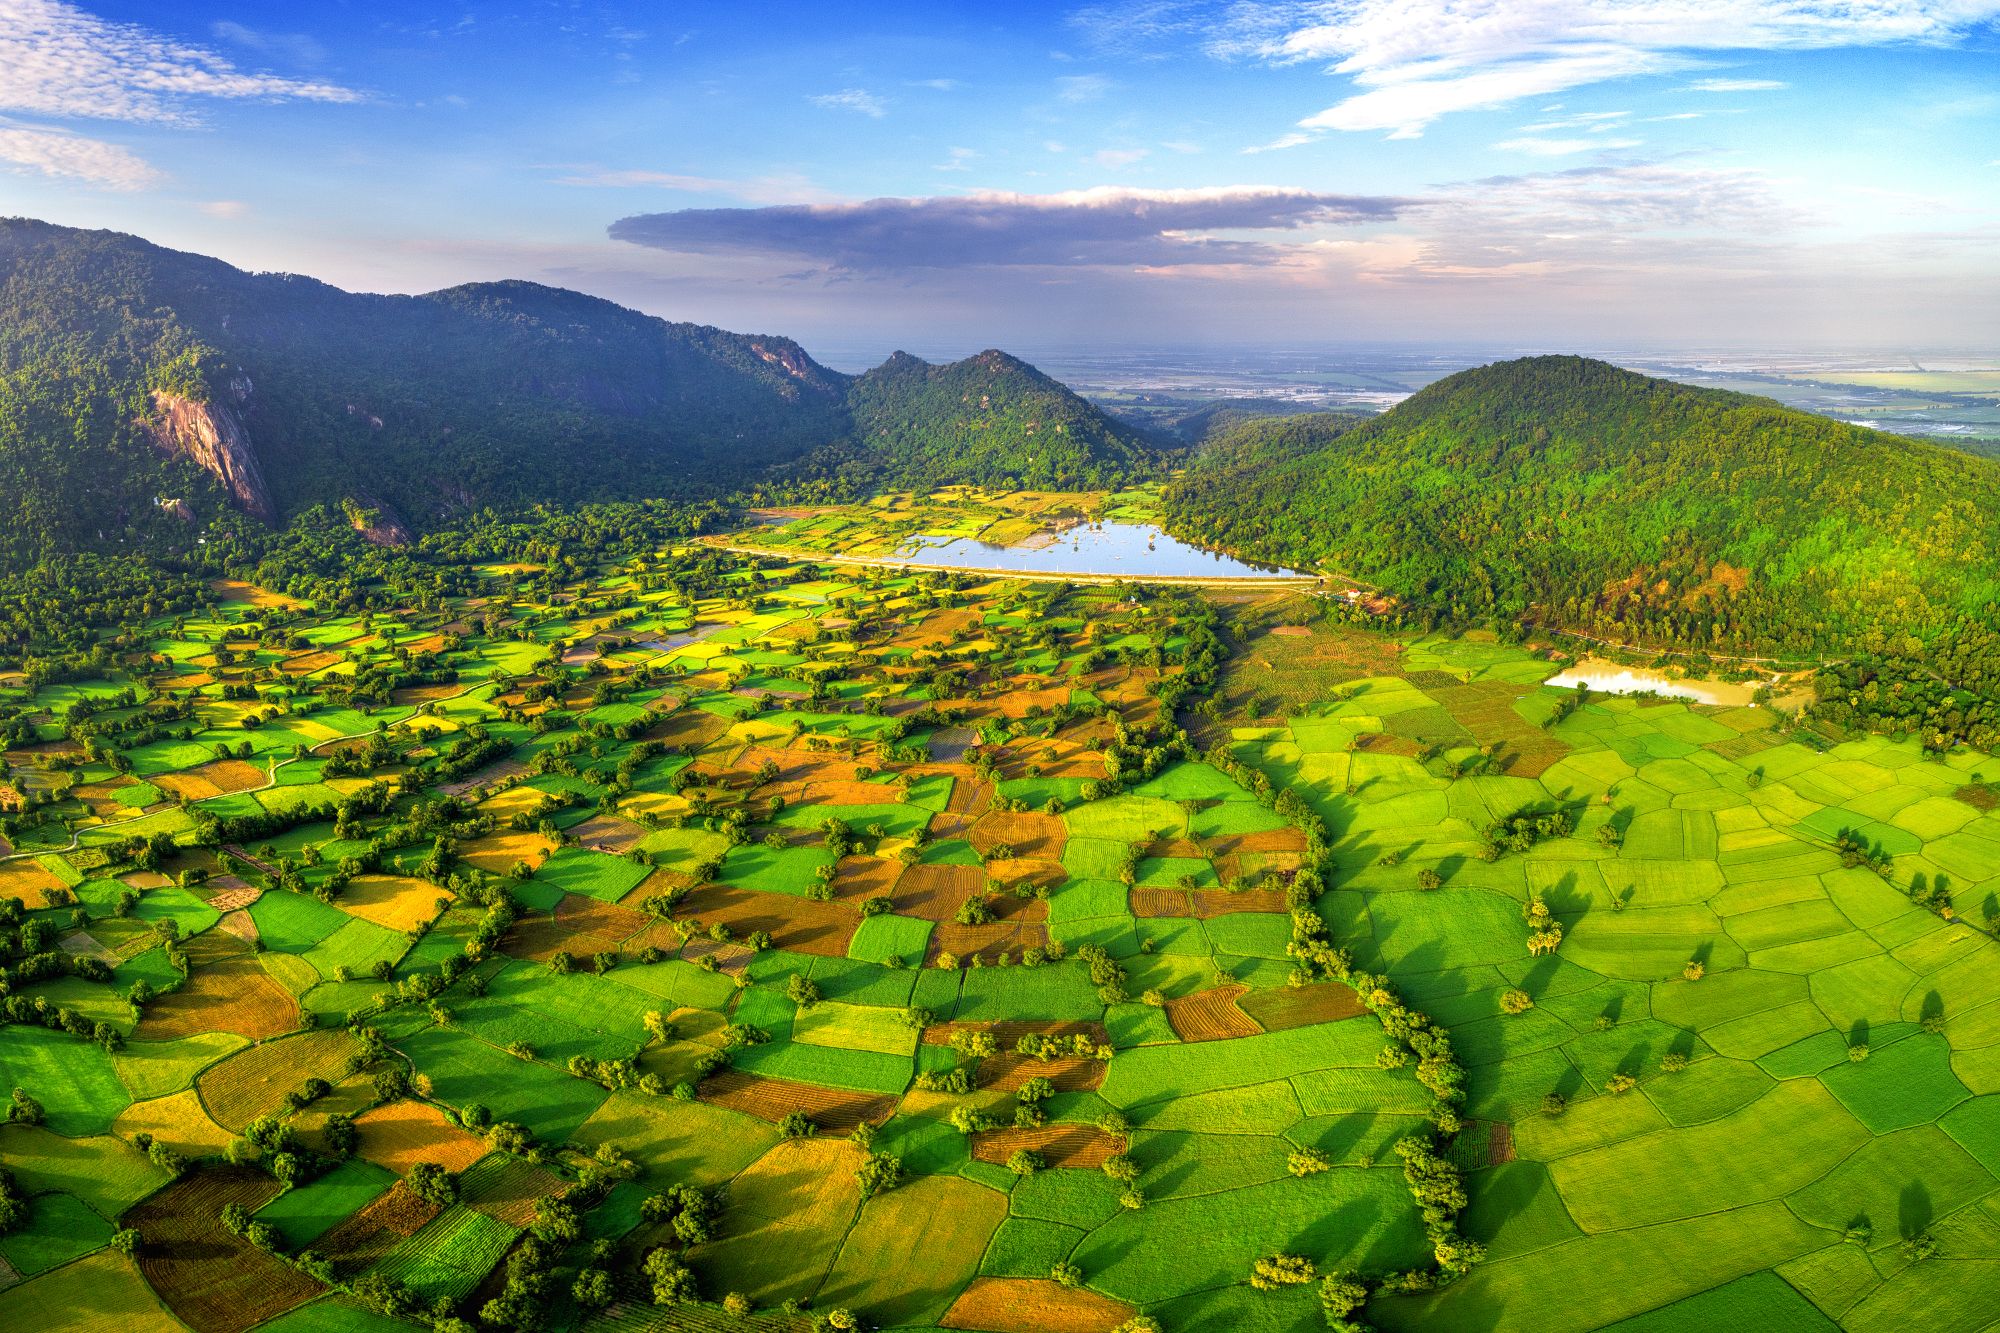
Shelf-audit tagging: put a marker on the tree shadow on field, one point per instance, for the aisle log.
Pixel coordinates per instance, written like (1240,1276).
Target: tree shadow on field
(1914,1210)
(1932,1012)
(1426,957)
(1565,899)
(1339,1140)
(1857,1032)
(1540,973)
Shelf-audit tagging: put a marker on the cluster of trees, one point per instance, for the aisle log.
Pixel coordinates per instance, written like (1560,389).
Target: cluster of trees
(1943,694)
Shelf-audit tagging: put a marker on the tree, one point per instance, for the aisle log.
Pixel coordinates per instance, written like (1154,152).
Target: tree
(879,1172)
(1517,1001)
(593,1289)
(432,1183)
(1026,1162)
(1281,1270)
(1307,1162)
(672,1281)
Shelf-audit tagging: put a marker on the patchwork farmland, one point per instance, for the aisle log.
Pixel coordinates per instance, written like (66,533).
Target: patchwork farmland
(696,940)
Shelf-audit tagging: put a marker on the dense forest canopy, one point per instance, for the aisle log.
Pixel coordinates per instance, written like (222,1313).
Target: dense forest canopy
(1584,497)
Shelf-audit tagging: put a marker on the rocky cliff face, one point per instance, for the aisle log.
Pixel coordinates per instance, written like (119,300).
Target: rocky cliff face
(212,436)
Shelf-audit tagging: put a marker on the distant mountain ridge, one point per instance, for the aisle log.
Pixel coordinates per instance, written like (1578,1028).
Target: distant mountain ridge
(140,384)
(1590,498)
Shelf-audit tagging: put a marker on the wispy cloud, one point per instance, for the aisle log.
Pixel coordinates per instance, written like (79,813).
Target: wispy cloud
(56,60)
(224,208)
(1538,146)
(1115,158)
(958,159)
(1082,87)
(1595,122)
(852,99)
(297,47)
(1417,61)
(1638,216)
(1737,85)
(63,155)
(1089,228)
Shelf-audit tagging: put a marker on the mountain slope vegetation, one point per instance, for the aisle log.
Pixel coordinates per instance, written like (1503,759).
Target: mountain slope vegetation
(991,419)
(1585,497)
(142,388)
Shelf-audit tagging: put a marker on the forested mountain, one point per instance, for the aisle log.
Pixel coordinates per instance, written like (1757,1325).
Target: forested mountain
(1587,497)
(141,388)
(118,358)
(991,419)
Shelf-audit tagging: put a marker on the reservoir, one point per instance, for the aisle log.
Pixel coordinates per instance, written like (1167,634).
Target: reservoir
(1118,550)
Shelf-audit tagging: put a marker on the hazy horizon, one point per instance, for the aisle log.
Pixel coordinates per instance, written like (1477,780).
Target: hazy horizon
(1576,173)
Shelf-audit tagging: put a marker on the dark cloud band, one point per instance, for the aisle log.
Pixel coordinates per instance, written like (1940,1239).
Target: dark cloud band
(1091,228)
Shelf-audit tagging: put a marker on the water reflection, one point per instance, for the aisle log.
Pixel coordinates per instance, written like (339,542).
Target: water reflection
(1129,550)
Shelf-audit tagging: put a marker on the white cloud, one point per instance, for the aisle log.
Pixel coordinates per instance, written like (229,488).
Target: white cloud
(852,99)
(1543,147)
(56,60)
(1416,61)
(1737,85)
(224,208)
(1119,157)
(1082,87)
(936,85)
(958,159)
(63,155)
(1293,140)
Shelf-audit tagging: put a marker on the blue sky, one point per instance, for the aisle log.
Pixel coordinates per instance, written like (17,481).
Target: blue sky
(1638,173)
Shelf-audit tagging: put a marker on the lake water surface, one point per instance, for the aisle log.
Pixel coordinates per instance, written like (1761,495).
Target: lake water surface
(1609,678)
(1127,550)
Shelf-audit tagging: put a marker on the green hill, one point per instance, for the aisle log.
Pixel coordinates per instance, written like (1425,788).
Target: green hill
(1579,495)
(990,419)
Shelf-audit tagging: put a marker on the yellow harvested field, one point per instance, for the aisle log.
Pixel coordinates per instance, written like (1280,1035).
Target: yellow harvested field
(515,800)
(27,881)
(400,1135)
(249,594)
(179,1121)
(251,1082)
(497,852)
(1033,1305)
(392,900)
